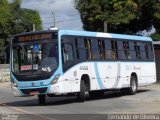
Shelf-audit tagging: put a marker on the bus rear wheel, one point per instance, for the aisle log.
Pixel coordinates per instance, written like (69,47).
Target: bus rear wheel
(81,94)
(42,99)
(133,85)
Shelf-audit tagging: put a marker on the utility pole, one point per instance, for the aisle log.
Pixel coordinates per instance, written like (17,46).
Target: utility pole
(54,20)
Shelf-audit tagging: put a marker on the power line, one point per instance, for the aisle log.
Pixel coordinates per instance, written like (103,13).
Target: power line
(64,20)
(68,20)
(60,16)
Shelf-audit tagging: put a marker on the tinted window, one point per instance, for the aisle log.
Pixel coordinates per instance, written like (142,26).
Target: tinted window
(132,51)
(95,49)
(121,50)
(83,48)
(107,44)
(150,51)
(110,49)
(142,51)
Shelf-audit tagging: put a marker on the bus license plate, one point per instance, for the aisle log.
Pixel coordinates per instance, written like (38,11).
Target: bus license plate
(34,93)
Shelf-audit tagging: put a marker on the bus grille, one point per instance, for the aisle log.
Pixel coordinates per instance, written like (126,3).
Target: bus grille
(28,91)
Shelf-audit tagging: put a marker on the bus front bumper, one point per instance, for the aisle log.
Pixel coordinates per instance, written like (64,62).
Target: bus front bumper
(51,89)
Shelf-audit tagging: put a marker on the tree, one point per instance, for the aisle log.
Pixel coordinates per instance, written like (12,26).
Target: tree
(114,12)
(14,19)
(121,16)
(155,36)
(4,21)
(23,19)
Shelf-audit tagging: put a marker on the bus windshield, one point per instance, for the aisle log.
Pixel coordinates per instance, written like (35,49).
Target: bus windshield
(35,57)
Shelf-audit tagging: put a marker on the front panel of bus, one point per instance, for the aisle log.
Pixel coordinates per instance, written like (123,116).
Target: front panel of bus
(34,62)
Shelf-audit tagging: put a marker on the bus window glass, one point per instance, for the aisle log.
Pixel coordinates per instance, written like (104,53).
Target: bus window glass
(81,51)
(150,51)
(108,49)
(95,49)
(80,43)
(146,50)
(35,58)
(101,46)
(121,50)
(67,53)
(142,51)
(132,51)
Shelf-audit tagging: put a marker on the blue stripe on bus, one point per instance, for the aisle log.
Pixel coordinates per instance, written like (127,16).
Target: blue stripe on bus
(98,76)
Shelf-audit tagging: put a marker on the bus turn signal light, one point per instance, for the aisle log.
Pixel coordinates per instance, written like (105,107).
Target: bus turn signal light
(55,79)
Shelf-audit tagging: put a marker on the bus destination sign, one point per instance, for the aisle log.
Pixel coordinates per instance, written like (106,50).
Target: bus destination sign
(34,37)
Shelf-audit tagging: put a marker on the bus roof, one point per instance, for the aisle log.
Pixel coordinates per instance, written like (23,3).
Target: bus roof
(104,35)
(91,34)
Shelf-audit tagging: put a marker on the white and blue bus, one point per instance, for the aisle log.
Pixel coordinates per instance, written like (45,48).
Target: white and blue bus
(67,62)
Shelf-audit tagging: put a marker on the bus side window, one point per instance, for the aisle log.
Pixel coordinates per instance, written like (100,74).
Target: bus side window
(132,50)
(127,53)
(81,48)
(67,53)
(150,51)
(121,50)
(143,51)
(108,49)
(88,48)
(137,49)
(101,46)
(146,50)
(95,49)
(114,49)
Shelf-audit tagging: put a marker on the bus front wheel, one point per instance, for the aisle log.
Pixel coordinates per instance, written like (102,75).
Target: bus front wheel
(81,94)
(42,99)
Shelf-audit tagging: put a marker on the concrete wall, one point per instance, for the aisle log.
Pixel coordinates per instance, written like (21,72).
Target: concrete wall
(4,73)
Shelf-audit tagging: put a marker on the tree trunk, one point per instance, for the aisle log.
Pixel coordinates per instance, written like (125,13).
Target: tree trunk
(105,26)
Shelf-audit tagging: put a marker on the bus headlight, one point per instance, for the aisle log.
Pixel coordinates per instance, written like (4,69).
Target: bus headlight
(14,83)
(55,79)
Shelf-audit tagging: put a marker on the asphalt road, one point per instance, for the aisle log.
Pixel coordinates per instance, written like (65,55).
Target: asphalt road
(146,101)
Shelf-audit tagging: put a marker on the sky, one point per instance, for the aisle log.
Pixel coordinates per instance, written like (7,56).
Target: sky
(66,16)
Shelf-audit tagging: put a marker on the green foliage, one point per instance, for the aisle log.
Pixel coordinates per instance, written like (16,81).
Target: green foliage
(122,16)
(22,20)
(156,16)
(14,19)
(114,12)
(155,36)
(4,18)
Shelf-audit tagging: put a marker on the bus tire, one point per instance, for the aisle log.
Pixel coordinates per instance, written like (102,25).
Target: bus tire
(133,86)
(42,99)
(81,94)
(96,94)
